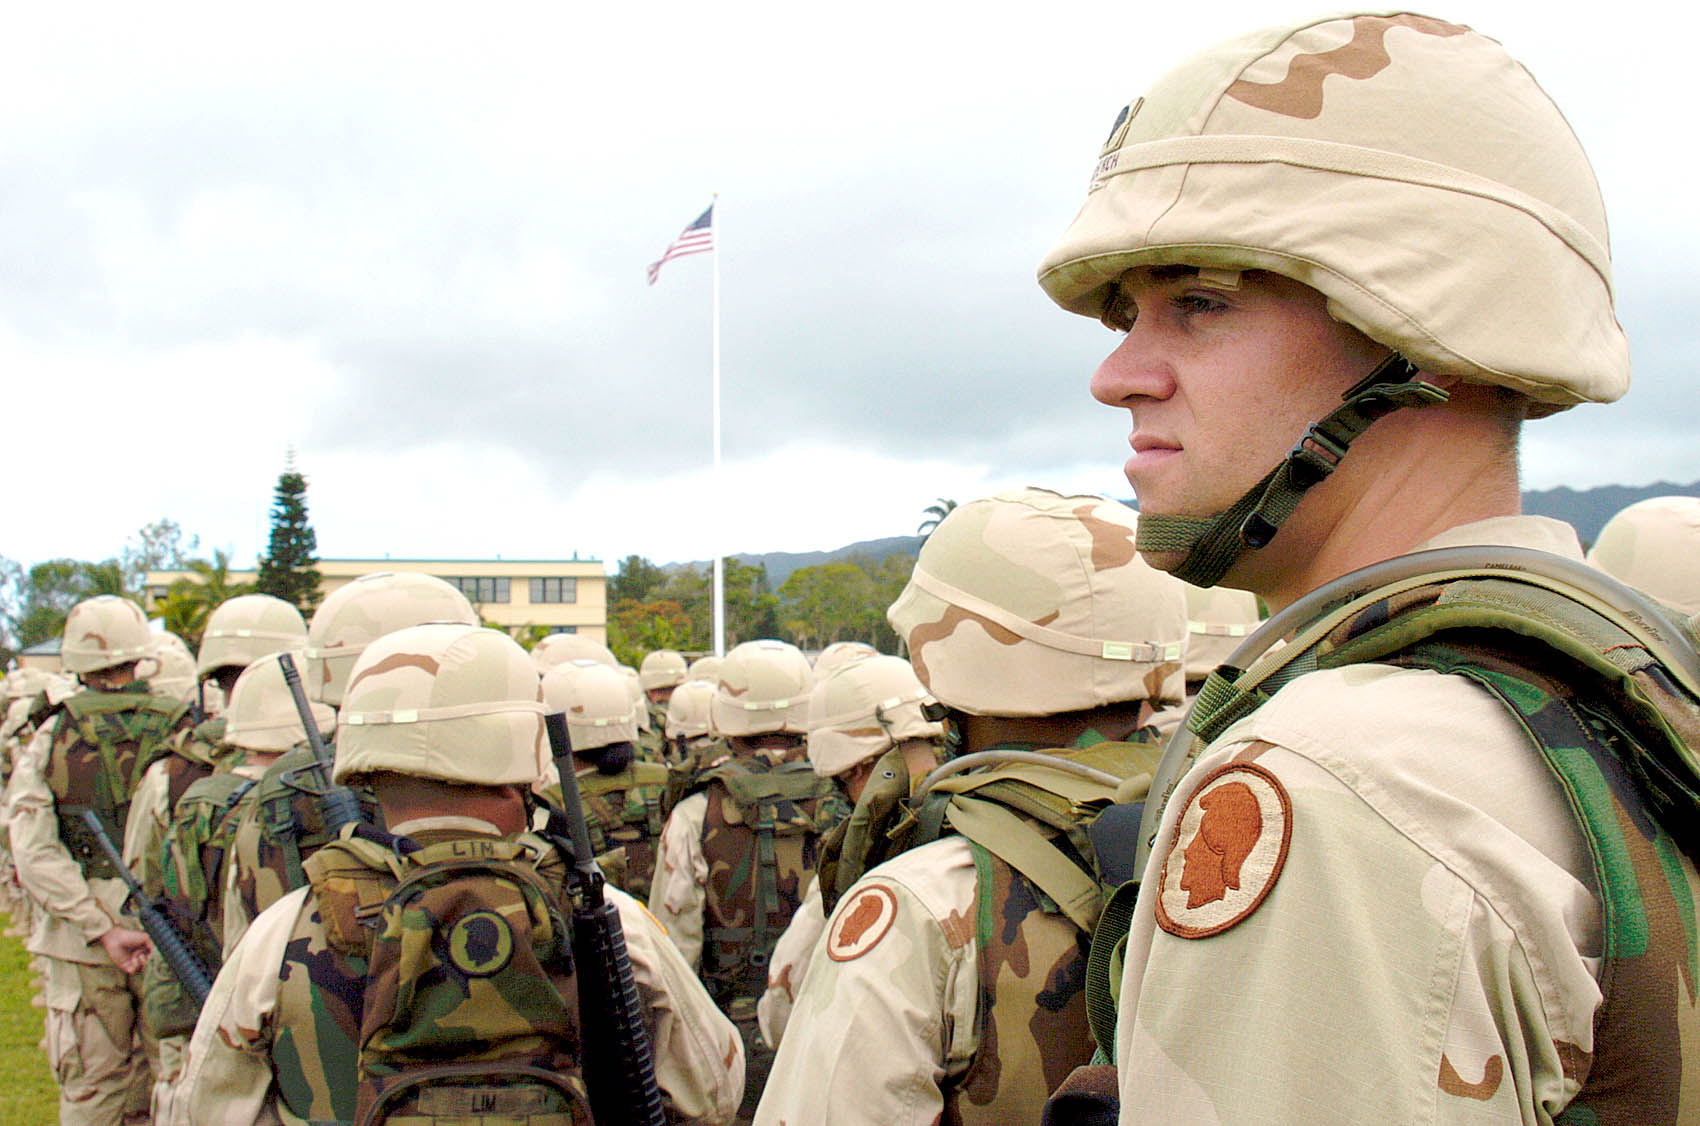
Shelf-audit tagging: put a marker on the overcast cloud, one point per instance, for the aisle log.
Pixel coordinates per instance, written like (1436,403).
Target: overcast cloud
(411,243)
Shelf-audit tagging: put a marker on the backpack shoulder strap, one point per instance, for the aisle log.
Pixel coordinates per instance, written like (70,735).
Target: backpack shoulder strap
(352,877)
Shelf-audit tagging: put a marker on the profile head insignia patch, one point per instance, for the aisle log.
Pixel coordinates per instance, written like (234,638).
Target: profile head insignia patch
(1229,846)
(861,922)
(480,943)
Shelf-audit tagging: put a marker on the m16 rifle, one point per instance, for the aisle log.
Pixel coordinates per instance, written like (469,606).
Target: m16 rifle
(196,978)
(619,1065)
(339,804)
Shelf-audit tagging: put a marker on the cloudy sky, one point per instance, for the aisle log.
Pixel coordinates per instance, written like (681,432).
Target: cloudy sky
(410,242)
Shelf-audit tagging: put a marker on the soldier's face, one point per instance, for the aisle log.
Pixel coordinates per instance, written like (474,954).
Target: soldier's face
(1220,382)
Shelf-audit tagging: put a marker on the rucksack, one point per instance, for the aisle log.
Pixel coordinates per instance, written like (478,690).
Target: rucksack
(470,1009)
(787,808)
(1602,680)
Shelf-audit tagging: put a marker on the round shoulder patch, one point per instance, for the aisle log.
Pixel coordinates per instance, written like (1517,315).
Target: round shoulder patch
(862,921)
(1230,843)
(480,943)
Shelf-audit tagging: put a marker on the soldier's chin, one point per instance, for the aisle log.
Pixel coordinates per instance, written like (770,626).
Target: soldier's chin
(1163,560)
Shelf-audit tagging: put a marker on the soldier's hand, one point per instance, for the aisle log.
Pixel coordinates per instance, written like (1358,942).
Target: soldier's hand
(128,949)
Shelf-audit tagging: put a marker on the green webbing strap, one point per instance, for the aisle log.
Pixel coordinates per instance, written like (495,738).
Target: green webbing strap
(766,895)
(1211,544)
(1018,844)
(1104,965)
(982,895)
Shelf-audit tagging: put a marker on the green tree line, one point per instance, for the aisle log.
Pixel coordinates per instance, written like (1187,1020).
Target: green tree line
(650,608)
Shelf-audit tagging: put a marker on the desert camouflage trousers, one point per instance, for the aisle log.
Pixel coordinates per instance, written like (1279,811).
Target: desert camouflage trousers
(95,1044)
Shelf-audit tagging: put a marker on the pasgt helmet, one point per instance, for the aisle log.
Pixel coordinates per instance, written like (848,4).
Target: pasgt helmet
(452,702)
(103,632)
(1406,168)
(1031,603)
(261,714)
(169,667)
(355,615)
(864,708)
(663,668)
(634,689)
(243,629)
(596,701)
(841,653)
(560,647)
(763,689)
(1654,546)
(688,710)
(705,668)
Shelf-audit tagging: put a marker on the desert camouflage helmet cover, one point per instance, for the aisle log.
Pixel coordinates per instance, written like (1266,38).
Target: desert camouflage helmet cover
(596,701)
(243,629)
(261,715)
(561,647)
(1031,603)
(1218,619)
(763,688)
(705,668)
(634,687)
(169,667)
(102,632)
(841,653)
(661,669)
(25,682)
(864,708)
(688,710)
(1407,168)
(355,615)
(456,703)
(1654,546)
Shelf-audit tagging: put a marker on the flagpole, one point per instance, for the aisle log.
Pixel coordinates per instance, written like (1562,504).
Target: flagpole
(718,493)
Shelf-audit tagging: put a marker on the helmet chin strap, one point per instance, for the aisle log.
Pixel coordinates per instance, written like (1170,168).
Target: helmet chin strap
(1211,544)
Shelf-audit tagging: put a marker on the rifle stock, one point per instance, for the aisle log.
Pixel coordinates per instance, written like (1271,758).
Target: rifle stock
(619,1060)
(194,976)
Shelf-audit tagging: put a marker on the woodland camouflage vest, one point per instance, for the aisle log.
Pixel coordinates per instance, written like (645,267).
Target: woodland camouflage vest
(102,742)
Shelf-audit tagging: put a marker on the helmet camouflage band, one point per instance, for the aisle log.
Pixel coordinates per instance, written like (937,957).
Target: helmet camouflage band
(864,708)
(355,615)
(841,653)
(1654,546)
(560,647)
(455,703)
(1474,246)
(1218,619)
(705,668)
(663,668)
(261,714)
(244,629)
(688,710)
(763,689)
(103,632)
(1031,603)
(596,701)
(169,667)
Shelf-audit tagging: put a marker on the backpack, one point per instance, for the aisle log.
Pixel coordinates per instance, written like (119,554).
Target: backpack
(469,1013)
(759,877)
(290,814)
(1599,678)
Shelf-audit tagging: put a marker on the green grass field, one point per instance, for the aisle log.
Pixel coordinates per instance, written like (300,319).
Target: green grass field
(28,1094)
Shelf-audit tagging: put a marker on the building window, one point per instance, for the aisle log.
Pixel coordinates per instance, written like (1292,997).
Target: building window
(481,590)
(554,590)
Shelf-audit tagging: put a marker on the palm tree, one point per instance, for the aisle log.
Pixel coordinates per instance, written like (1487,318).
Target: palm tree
(191,599)
(934,514)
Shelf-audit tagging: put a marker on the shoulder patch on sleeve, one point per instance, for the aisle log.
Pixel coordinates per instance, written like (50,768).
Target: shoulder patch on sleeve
(862,921)
(1229,846)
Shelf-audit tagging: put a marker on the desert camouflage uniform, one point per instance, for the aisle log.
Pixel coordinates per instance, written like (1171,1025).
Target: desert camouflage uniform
(93,1034)
(281,1005)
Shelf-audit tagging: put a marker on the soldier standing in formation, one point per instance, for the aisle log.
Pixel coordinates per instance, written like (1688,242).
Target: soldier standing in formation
(1371,899)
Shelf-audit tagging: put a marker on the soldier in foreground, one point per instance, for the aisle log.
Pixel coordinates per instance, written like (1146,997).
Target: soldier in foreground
(316,1015)
(88,755)
(947,986)
(1370,897)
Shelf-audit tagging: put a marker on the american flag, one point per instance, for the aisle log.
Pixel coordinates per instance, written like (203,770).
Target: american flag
(694,239)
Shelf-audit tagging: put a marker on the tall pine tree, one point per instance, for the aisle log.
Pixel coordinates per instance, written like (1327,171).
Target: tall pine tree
(289,569)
